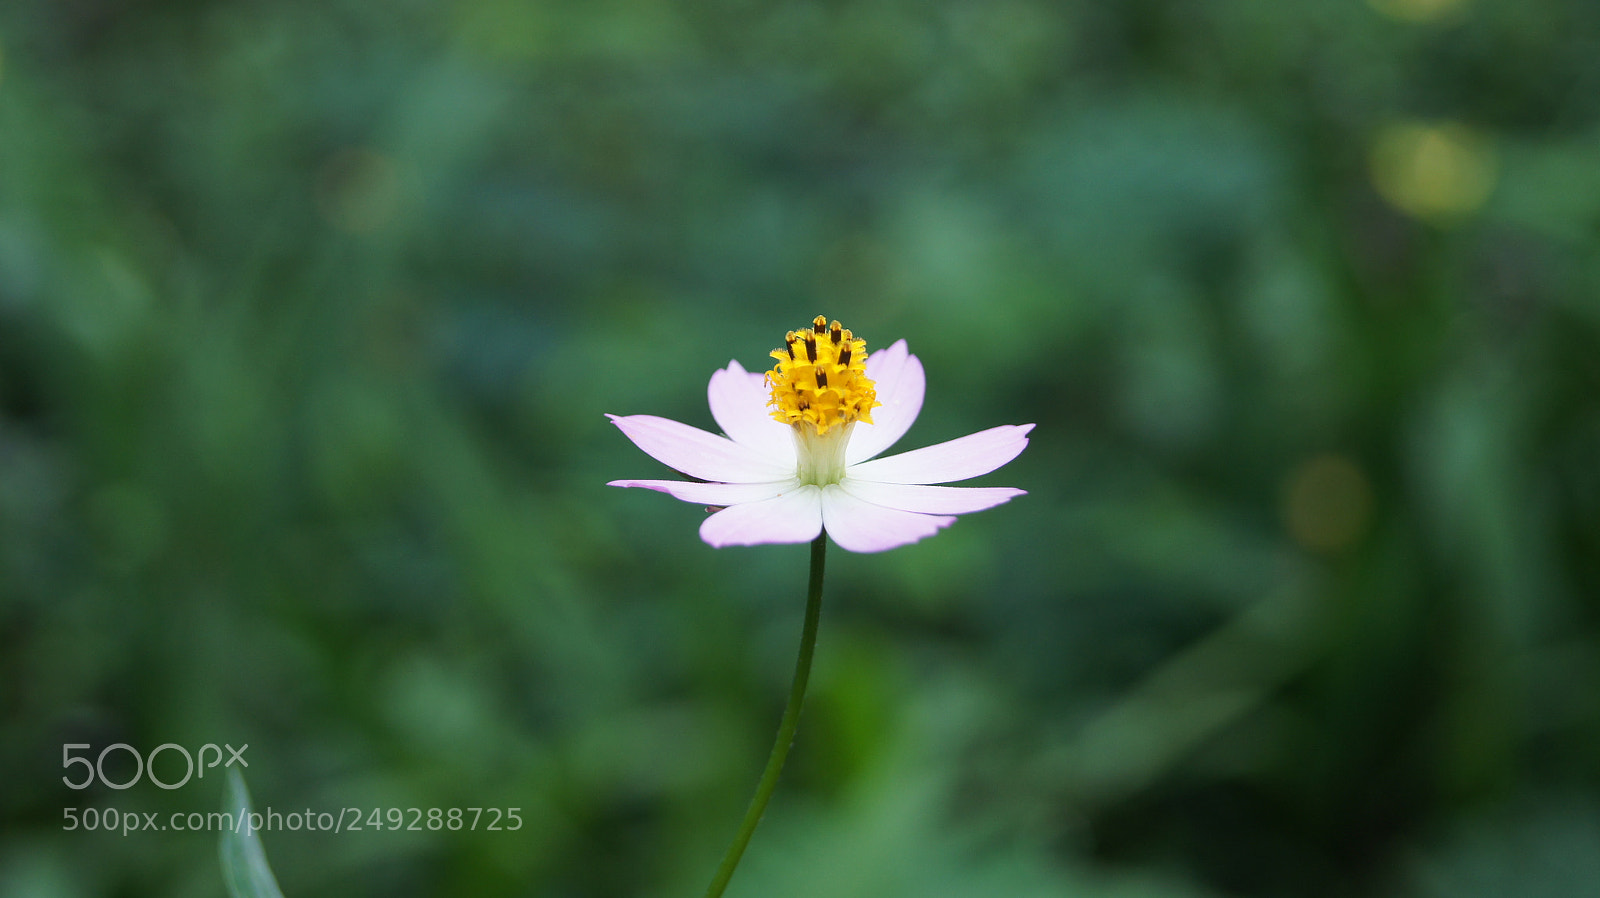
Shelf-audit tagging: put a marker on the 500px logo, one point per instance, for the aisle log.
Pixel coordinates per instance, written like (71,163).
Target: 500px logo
(143,765)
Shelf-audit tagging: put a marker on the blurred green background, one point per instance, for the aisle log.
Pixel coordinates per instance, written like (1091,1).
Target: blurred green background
(310,310)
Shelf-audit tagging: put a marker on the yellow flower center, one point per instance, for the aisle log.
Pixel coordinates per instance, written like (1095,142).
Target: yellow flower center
(821,380)
(821,389)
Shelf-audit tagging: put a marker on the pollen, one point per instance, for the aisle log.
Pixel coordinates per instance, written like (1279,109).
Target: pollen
(820,381)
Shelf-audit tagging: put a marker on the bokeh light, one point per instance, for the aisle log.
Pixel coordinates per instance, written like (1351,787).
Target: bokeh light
(1435,171)
(1419,10)
(1327,502)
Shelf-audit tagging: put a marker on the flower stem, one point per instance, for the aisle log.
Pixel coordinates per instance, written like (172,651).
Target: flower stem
(786,727)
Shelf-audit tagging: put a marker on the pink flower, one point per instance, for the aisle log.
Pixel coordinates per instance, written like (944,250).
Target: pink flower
(800,454)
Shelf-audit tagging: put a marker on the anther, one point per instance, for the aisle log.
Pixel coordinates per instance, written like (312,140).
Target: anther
(844,357)
(835,332)
(790,346)
(820,325)
(811,348)
(822,379)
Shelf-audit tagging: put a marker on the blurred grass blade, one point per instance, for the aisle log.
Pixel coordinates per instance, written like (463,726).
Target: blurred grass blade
(244,862)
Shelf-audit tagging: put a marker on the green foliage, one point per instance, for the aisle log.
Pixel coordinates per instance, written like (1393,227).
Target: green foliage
(244,861)
(309,313)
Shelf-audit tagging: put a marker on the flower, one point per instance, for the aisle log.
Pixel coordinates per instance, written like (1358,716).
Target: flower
(800,451)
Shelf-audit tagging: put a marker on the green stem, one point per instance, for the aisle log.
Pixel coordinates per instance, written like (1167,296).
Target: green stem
(786,727)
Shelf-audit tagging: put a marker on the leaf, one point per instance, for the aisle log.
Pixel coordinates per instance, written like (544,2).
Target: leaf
(244,861)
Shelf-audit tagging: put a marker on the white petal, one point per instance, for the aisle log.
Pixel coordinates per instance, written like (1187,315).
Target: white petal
(930,499)
(900,385)
(739,404)
(711,493)
(794,517)
(861,526)
(697,453)
(958,459)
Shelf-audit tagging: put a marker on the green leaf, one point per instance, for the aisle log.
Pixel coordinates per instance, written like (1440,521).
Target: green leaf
(244,862)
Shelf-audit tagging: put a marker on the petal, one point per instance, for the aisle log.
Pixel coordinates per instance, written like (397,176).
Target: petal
(739,404)
(900,384)
(711,493)
(930,499)
(958,459)
(861,526)
(699,454)
(794,517)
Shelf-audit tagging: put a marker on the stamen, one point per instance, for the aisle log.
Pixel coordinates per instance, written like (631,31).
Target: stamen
(824,390)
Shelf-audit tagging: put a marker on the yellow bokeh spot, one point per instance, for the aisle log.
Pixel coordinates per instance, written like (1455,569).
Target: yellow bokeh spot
(1416,10)
(1327,503)
(820,381)
(1437,172)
